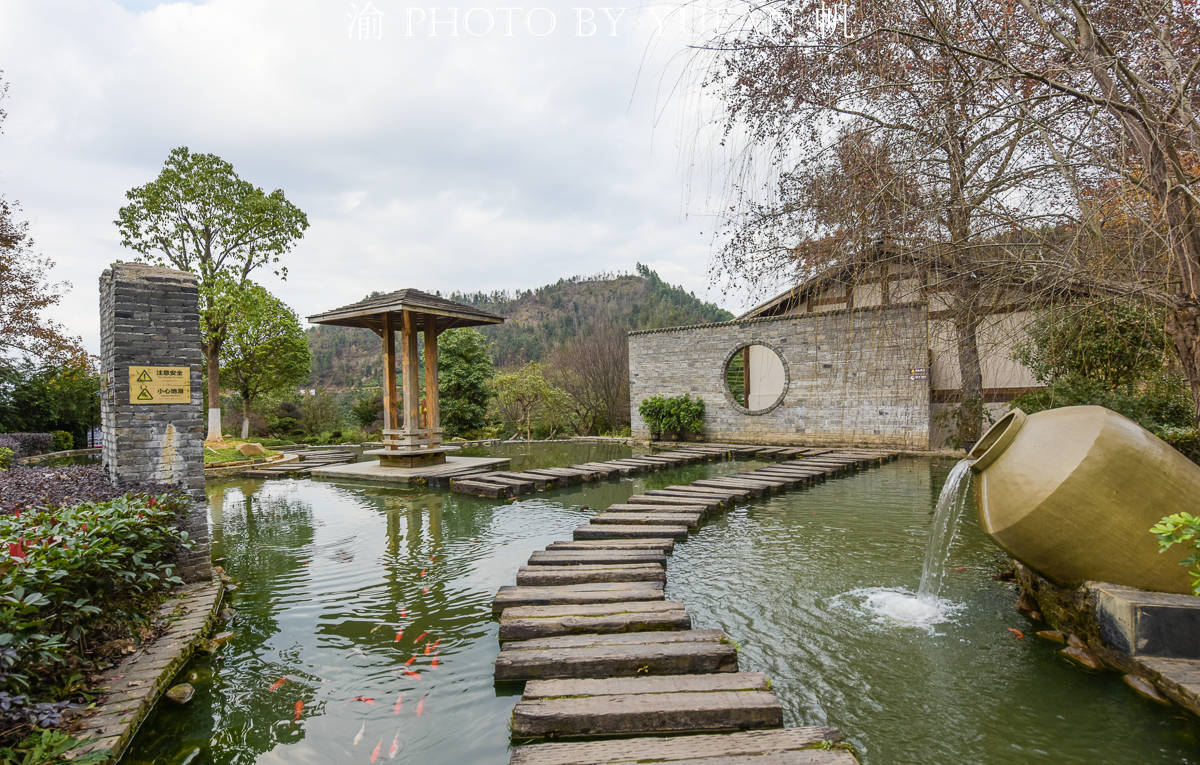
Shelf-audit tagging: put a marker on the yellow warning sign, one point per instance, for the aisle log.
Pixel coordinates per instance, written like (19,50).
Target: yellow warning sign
(160,385)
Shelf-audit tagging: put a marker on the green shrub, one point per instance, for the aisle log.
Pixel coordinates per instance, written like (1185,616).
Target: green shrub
(678,415)
(6,458)
(1184,529)
(68,574)
(61,441)
(1185,440)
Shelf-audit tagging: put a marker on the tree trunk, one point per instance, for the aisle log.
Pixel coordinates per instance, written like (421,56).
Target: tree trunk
(1183,327)
(212,365)
(970,413)
(245,418)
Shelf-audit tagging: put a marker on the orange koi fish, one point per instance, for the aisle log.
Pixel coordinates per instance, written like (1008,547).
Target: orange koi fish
(421,707)
(403,614)
(299,710)
(427,647)
(1016,632)
(420,637)
(399,635)
(411,659)
(435,661)
(422,572)
(375,751)
(277,684)
(435,643)
(413,674)
(395,747)
(399,705)
(367,699)
(426,590)
(431,559)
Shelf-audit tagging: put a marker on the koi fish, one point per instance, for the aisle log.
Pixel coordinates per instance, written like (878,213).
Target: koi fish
(421,707)
(413,674)
(403,614)
(422,572)
(358,737)
(435,661)
(375,629)
(399,705)
(431,559)
(1016,632)
(427,647)
(420,637)
(277,684)
(411,659)
(961,568)
(435,643)
(399,635)
(299,710)
(367,699)
(426,590)
(375,751)
(395,747)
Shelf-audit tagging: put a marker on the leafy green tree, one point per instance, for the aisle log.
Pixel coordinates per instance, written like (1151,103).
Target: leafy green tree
(527,402)
(1113,345)
(367,410)
(199,216)
(464,380)
(265,350)
(48,398)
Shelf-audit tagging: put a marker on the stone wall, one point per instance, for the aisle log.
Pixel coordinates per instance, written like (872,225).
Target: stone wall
(848,376)
(149,317)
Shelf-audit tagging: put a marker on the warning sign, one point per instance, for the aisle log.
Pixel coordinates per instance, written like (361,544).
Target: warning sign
(160,385)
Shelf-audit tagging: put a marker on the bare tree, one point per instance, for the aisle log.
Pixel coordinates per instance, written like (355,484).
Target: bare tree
(594,372)
(883,146)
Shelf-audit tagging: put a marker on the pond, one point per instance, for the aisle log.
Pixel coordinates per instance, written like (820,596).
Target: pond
(330,575)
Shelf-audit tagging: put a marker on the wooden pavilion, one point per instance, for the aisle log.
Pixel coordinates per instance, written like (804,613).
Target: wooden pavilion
(416,441)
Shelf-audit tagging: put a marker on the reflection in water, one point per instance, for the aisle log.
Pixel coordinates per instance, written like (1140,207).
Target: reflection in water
(332,602)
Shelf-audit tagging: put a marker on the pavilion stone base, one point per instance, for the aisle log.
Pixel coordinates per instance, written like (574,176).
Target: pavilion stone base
(411,458)
(373,472)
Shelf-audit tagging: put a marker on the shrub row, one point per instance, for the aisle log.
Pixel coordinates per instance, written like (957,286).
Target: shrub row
(28,444)
(680,416)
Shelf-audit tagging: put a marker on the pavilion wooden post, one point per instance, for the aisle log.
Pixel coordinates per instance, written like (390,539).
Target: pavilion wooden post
(408,358)
(432,415)
(389,374)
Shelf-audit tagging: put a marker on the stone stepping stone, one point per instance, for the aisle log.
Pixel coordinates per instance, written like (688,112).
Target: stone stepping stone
(611,466)
(539,481)
(754,489)
(593,557)
(571,594)
(774,480)
(691,520)
(787,746)
(519,486)
(661,544)
(684,652)
(527,622)
(601,468)
(729,492)
(541,576)
(663,499)
(480,488)
(631,531)
(633,507)
(726,701)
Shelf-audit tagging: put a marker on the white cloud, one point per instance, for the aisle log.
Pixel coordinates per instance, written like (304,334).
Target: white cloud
(468,162)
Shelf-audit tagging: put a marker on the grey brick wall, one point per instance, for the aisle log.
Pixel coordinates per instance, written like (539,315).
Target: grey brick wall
(149,316)
(848,376)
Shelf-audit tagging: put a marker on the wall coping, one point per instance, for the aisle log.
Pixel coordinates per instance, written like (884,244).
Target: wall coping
(767,319)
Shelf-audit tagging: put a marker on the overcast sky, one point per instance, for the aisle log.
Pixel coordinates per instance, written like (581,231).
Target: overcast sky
(462,145)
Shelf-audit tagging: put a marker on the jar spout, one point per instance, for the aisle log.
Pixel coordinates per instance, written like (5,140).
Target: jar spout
(997,438)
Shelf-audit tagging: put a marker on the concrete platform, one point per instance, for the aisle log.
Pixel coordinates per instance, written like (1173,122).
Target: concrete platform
(374,472)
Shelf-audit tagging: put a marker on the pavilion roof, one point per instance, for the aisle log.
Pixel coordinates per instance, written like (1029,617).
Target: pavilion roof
(369,312)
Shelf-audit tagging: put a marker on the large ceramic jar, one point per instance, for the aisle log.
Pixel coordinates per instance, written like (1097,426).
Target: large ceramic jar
(1073,492)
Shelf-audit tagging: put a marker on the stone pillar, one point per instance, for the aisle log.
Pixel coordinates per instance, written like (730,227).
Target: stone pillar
(152,397)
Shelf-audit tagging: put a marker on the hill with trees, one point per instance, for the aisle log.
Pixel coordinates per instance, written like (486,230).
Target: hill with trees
(538,323)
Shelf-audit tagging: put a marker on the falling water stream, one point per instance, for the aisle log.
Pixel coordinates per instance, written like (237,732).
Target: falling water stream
(925,609)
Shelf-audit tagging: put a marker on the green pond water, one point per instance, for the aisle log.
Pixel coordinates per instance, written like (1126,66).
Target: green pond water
(330,573)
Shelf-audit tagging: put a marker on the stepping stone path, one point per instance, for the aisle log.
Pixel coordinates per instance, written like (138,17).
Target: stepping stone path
(603,653)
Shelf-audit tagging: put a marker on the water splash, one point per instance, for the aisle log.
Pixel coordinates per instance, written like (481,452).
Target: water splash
(950,505)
